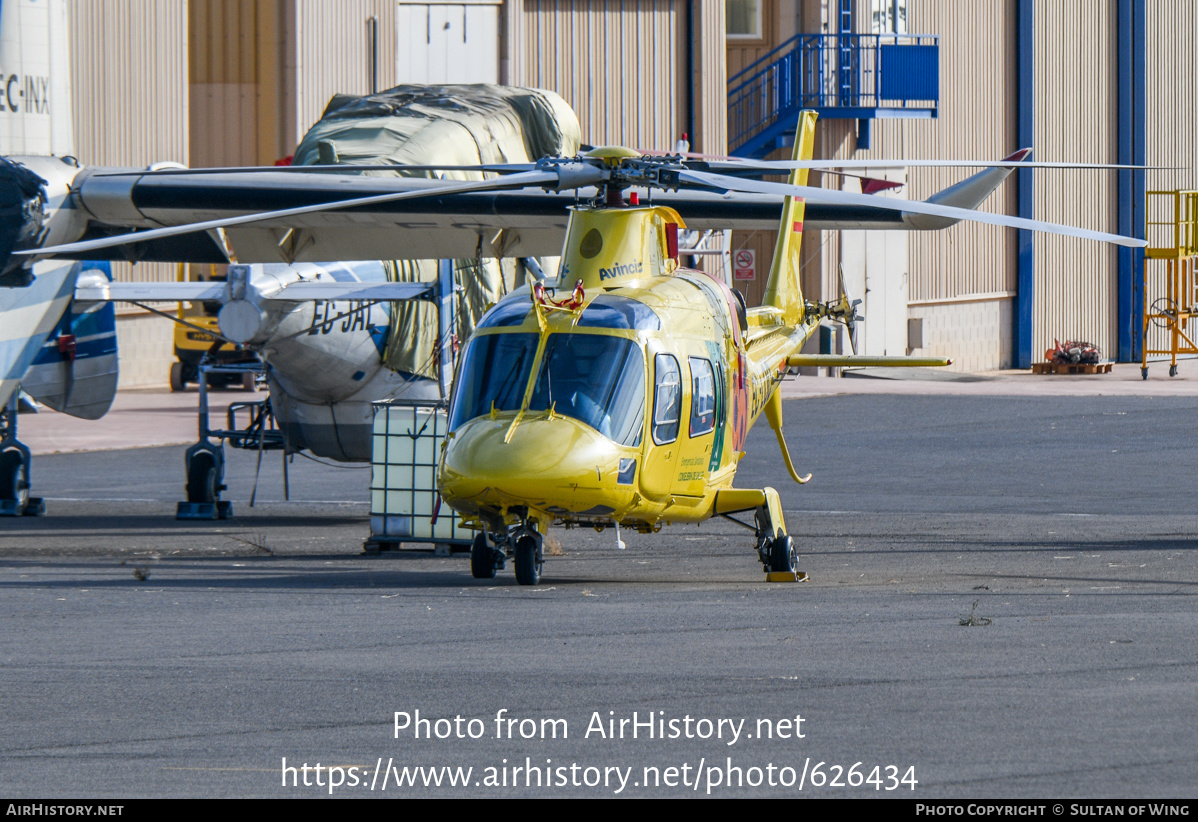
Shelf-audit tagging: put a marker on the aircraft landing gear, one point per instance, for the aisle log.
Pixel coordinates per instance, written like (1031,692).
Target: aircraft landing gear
(783,556)
(205,467)
(485,561)
(523,543)
(15,464)
(775,548)
(529,559)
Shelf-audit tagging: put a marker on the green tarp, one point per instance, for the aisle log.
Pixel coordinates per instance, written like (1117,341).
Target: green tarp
(454,125)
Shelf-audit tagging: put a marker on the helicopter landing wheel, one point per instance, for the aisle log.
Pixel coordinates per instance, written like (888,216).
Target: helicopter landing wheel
(482,558)
(528,559)
(783,556)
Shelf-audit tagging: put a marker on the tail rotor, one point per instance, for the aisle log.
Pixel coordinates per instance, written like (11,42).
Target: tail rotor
(845,311)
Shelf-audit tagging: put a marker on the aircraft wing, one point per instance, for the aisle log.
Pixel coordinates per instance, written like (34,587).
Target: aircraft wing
(150,292)
(386,292)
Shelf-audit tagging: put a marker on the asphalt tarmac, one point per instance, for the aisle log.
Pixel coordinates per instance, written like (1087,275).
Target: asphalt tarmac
(1001,605)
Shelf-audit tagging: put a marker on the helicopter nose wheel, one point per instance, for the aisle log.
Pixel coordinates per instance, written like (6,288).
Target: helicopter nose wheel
(485,561)
(529,559)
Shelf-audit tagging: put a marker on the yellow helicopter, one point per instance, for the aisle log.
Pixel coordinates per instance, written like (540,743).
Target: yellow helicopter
(627,402)
(626,399)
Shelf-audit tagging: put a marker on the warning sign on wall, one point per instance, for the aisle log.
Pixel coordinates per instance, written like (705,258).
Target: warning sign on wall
(744,264)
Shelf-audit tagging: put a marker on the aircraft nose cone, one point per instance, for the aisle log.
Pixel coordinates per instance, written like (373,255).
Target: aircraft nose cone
(545,462)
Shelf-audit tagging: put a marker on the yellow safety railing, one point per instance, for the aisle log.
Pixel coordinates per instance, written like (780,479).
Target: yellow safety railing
(1170,268)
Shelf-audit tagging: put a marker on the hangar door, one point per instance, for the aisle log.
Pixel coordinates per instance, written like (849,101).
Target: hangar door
(448,43)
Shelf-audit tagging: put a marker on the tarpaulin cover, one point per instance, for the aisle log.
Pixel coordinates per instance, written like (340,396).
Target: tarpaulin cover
(455,125)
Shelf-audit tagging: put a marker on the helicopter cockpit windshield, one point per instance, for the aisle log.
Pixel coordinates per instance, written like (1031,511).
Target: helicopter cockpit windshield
(596,379)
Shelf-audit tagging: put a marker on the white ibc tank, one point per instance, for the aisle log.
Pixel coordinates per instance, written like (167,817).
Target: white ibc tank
(404,503)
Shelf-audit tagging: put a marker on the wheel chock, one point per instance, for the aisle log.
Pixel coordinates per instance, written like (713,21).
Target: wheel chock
(786,576)
(204,510)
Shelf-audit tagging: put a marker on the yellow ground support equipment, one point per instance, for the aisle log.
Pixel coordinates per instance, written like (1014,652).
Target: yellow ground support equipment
(1170,276)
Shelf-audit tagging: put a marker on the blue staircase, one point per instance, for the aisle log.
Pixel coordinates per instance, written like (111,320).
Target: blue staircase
(847,76)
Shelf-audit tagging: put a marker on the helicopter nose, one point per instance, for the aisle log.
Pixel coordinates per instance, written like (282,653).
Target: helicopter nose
(545,462)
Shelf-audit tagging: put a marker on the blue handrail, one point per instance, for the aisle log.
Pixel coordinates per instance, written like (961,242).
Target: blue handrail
(851,75)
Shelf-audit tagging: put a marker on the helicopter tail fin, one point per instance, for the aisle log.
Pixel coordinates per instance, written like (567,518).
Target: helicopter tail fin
(783,289)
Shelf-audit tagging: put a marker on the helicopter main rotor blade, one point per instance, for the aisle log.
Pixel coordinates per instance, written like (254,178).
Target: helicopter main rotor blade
(833,197)
(780,166)
(341,168)
(528,178)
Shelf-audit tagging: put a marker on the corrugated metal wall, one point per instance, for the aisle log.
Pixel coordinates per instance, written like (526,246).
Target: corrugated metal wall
(333,52)
(129,77)
(1172,121)
(977,119)
(619,63)
(1077,120)
(129,84)
(241,111)
(1171,84)
(710,79)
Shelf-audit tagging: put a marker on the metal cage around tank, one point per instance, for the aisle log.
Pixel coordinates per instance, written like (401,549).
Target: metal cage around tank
(405,506)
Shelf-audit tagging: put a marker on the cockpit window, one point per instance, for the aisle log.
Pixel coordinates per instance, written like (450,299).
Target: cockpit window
(508,312)
(597,380)
(667,399)
(495,370)
(614,311)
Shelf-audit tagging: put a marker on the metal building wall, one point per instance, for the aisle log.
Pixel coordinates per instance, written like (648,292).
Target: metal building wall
(242,112)
(1171,123)
(961,280)
(710,78)
(129,76)
(1076,119)
(976,118)
(1172,78)
(333,53)
(129,79)
(619,63)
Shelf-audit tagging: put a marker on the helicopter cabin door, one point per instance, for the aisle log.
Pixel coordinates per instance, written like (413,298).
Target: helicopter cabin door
(700,434)
(686,422)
